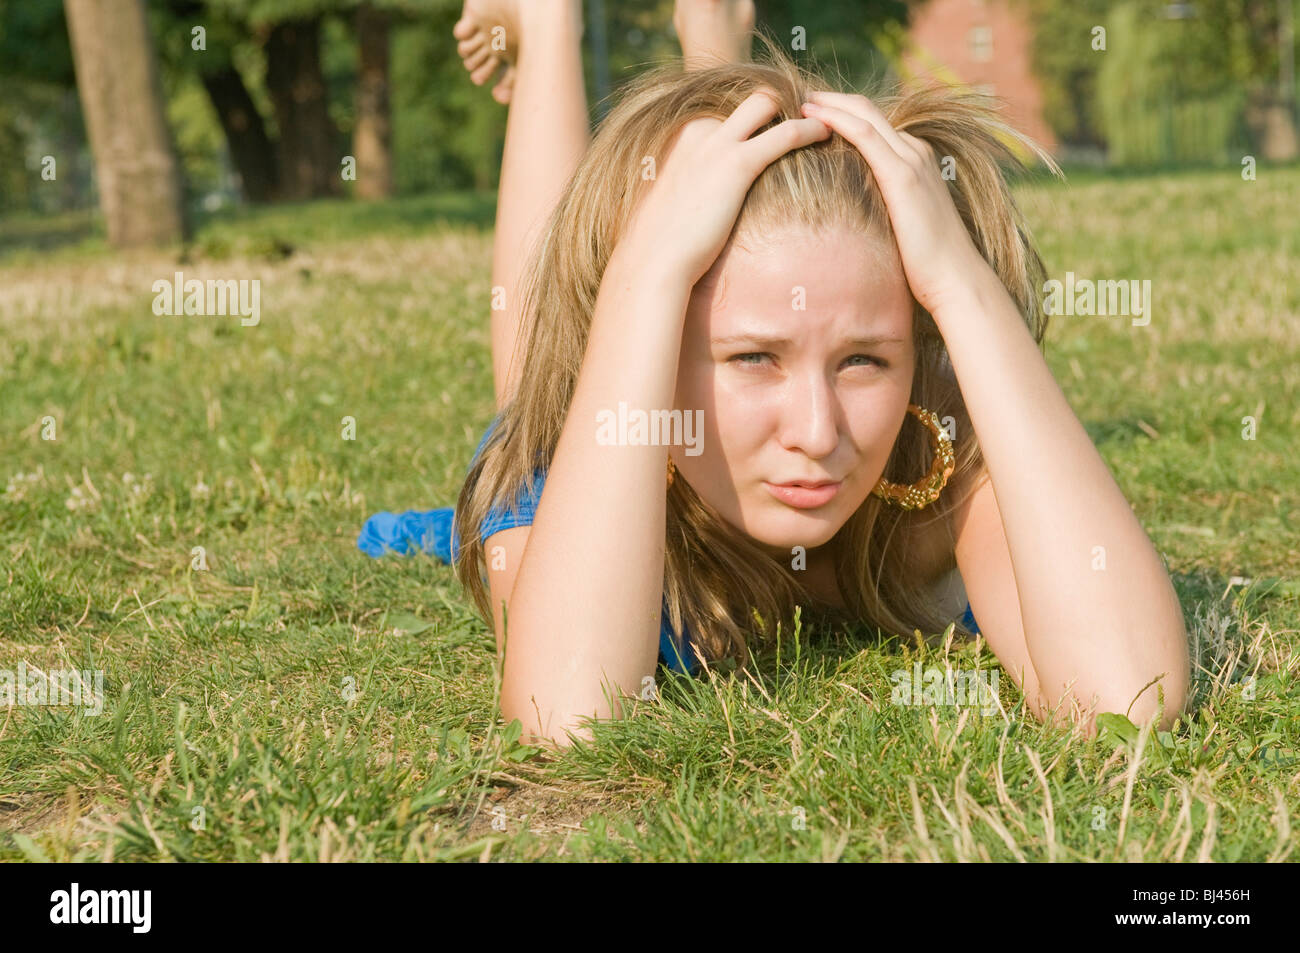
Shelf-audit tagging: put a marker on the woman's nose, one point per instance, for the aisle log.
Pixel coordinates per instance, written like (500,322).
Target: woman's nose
(809,419)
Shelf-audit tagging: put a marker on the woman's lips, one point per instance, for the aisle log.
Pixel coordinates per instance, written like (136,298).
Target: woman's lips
(803,497)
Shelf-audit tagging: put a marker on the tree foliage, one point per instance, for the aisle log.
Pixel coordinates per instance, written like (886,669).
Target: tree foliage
(1171,83)
(447,133)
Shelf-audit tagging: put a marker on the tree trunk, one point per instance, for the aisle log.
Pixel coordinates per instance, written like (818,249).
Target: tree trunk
(308,153)
(250,147)
(121,97)
(1271,120)
(372,137)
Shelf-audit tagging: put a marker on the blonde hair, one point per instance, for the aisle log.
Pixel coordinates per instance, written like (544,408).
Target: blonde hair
(716,580)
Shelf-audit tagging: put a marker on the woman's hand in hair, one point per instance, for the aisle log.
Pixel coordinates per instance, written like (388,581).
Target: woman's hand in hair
(689,211)
(939,258)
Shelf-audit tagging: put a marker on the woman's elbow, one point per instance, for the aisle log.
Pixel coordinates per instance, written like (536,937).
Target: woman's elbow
(553,720)
(1162,688)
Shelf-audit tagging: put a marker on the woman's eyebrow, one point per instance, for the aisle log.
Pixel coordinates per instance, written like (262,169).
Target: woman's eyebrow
(759,340)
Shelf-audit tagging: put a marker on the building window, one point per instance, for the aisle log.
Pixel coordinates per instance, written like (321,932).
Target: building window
(981,44)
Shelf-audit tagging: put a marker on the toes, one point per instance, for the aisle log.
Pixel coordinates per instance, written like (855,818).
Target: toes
(484,72)
(464,28)
(477,58)
(505,89)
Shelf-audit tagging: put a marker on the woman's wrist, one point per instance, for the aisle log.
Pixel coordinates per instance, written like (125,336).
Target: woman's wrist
(975,289)
(648,267)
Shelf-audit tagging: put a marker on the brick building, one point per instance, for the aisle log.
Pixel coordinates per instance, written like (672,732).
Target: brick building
(986,44)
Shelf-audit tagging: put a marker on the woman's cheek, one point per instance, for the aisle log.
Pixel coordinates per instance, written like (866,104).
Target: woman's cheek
(874,435)
(746,421)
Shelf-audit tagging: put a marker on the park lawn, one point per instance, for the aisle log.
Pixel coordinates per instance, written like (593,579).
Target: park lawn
(299,700)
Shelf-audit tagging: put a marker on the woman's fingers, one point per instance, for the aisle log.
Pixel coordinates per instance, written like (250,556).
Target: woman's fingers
(792,134)
(885,162)
(754,112)
(923,148)
(861,107)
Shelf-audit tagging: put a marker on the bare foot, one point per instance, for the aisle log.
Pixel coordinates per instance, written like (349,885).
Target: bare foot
(712,32)
(488,31)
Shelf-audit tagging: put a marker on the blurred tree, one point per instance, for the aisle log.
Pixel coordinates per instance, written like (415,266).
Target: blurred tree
(1175,81)
(859,41)
(251,149)
(39,112)
(34,41)
(121,98)
(309,160)
(372,135)
(447,132)
(298,41)
(248,142)
(1271,94)
(1066,65)
(441,131)
(308,142)
(1193,82)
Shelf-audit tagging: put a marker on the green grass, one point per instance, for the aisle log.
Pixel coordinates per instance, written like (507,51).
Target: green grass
(298,700)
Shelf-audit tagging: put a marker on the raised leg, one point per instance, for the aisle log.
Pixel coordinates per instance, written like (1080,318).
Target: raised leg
(547,134)
(712,32)
(547,130)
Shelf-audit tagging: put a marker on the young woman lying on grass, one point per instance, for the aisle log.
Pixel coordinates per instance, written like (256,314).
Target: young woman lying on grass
(792,263)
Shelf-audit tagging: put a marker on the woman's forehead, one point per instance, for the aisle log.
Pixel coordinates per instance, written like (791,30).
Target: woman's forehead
(801,277)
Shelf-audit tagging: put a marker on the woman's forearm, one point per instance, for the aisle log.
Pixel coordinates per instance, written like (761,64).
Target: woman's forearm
(587,601)
(1098,608)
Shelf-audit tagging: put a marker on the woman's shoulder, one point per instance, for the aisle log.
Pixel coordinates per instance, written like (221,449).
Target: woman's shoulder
(931,551)
(932,548)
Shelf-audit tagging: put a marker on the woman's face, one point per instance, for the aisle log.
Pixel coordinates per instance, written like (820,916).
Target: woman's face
(799,353)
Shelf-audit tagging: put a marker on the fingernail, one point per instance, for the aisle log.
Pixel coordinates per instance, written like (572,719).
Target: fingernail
(811,107)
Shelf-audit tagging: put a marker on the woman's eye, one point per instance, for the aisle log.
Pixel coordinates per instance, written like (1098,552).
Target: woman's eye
(869,359)
(743,359)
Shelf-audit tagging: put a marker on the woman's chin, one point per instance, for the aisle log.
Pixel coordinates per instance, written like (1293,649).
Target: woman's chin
(781,536)
(778,528)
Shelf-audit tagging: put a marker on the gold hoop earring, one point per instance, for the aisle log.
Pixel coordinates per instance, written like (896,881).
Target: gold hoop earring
(672,470)
(926,490)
